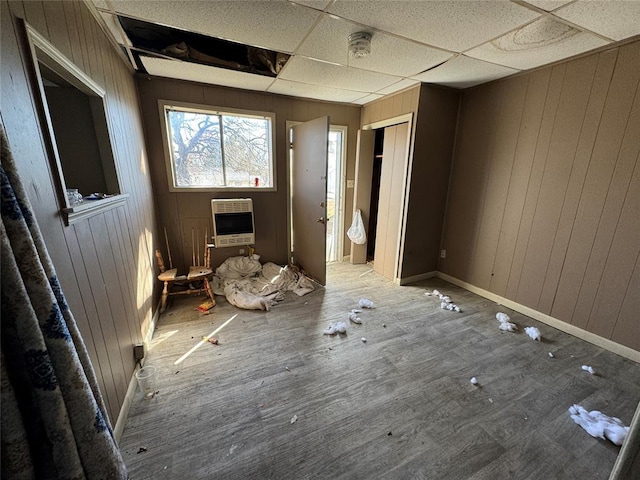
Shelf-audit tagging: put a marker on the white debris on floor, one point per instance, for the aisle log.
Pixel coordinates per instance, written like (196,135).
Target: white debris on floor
(353,316)
(294,419)
(533,332)
(445,301)
(336,327)
(589,368)
(551,355)
(450,306)
(505,322)
(474,381)
(364,340)
(365,303)
(599,425)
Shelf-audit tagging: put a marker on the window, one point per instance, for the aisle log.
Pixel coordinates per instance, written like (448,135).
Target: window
(208,149)
(74,119)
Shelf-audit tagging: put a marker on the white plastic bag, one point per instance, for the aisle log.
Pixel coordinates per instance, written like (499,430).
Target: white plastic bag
(356,231)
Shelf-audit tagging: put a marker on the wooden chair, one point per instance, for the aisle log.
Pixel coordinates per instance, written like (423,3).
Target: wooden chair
(196,273)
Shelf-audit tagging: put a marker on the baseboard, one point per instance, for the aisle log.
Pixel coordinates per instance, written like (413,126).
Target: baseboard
(133,383)
(346,258)
(126,405)
(416,278)
(547,319)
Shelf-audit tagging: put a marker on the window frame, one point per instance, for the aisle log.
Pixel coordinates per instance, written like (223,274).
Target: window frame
(212,110)
(41,51)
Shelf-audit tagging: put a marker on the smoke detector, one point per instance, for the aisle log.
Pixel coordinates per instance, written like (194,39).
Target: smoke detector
(359,44)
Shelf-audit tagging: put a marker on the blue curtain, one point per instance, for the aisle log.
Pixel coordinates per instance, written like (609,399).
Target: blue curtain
(54,423)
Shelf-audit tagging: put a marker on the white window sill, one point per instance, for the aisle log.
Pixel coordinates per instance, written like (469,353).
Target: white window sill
(89,208)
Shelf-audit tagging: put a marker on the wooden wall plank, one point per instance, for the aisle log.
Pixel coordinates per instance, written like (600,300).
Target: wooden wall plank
(54,17)
(535,179)
(570,111)
(537,86)
(100,358)
(499,170)
(72,30)
(34,15)
(555,298)
(597,230)
(89,255)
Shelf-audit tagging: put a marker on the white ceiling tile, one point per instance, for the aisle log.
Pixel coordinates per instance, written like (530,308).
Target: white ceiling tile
(464,72)
(329,41)
(548,5)
(369,98)
(101,4)
(205,74)
(296,89)
(306,70)
(450,24)
(276,24)
(618,19)
(541,42)
(401,85)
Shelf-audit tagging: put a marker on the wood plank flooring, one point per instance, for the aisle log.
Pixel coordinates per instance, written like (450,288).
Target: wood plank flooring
(399,406)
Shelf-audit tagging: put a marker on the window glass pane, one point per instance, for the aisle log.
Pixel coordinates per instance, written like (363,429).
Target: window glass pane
(197,156)
(246,151)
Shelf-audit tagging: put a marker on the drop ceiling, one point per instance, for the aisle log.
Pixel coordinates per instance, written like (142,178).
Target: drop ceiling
(457,43)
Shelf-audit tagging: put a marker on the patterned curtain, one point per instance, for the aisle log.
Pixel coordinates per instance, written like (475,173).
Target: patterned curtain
(54,423)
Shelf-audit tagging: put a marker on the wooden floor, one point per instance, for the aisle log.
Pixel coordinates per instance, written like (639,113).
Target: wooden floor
(399,406)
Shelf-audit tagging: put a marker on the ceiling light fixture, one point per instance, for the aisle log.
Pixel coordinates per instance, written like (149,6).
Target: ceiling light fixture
(359,44)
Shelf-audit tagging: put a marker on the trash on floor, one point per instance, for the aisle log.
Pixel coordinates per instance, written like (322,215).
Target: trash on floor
(474,381)
(533,332)
(211,340)
(336,327)
(551,355)
(506,325)
(599,425)
(365,303)
(142,449)
(589,368)
(450,306)
(364,340)
(206,306)
(294,419)
(353,316)
(441,296)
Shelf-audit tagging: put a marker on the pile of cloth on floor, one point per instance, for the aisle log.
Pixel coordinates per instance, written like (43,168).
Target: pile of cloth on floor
(248,284)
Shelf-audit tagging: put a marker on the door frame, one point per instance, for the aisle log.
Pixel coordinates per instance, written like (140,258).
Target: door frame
(363,185)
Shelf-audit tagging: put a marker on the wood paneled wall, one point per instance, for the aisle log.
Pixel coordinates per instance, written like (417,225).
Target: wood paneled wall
(544,203)
(435,111)
(105,263)
(180,213)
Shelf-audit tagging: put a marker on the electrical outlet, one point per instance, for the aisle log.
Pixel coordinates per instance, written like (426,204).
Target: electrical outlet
(241,251)
(138,352)
(443,253)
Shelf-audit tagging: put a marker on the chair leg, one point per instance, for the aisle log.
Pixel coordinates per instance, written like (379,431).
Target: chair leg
(165,294)
(207,288)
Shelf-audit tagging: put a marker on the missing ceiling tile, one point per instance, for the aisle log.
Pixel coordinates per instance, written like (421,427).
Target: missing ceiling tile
(150,39)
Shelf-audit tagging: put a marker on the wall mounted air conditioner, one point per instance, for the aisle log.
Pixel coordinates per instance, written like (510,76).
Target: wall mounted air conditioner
(232,222)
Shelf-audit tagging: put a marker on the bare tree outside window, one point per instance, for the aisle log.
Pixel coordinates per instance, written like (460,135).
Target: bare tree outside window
(218,150)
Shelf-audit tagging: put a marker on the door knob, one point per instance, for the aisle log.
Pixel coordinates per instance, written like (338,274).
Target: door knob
(320,220)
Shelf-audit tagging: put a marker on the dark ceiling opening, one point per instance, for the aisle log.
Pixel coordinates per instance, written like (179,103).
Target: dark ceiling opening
(150,39)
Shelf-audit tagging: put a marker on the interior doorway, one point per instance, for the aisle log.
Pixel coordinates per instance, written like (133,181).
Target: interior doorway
(335,192)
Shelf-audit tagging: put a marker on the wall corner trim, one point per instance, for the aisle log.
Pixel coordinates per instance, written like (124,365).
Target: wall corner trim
(547,319)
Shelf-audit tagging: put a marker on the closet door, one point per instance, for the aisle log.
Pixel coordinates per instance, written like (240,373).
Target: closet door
(391,204)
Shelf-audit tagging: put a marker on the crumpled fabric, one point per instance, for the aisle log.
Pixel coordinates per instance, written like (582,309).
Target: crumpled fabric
(250,285)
